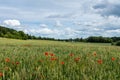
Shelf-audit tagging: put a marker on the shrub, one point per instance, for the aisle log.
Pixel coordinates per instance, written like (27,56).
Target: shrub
(118,43)
(112,43)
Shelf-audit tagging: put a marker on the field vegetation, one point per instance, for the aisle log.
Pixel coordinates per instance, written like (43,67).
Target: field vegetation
(55,60)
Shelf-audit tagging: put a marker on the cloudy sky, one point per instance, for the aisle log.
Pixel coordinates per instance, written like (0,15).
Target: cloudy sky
(62,18)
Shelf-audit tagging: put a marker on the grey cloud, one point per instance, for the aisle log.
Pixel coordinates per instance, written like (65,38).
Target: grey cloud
(100,6)
(66,15)
(108,9)
(56,16)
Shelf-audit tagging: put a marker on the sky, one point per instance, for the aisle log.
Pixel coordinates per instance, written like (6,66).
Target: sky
(62,18)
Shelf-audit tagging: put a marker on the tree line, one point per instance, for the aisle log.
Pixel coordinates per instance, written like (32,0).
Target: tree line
(11,33)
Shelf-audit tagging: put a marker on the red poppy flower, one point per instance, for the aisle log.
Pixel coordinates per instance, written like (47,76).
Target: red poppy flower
(94,54)
(7,60)
(71,54)
(77,59)
(46,53)
(17,63)
(99,61)
(1,74)
(113,58)
(62,63)
(51,54)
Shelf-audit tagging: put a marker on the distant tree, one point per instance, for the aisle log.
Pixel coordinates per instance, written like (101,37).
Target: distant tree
(11,33)
(99,39)
(118,43)
(115,39)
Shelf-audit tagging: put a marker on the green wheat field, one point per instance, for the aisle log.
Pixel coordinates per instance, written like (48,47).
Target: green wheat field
(53,60)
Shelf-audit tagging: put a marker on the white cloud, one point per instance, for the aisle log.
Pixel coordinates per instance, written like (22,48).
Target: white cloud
(56,33)
(58,23)
(96,29)
(45,31)
(113,31)
(70,21)
(12,22)
(26,31)
(43,25)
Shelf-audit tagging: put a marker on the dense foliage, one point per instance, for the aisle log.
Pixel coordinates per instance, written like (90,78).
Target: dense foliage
(11,33)
(118,43)
(99,39)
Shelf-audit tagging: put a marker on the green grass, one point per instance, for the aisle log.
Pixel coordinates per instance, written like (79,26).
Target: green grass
(34,65)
